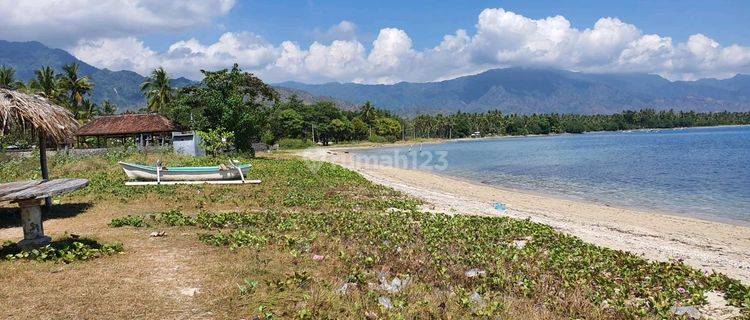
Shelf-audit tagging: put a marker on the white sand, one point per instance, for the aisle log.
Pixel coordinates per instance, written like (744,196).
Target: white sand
(703,244)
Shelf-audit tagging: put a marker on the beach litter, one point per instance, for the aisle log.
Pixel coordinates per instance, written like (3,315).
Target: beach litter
(499,206)
(189,291)
(317,257)
(393,286)
(521,243)
(473,273)
(385,302)
(345,288)
(689,311)
(477,299)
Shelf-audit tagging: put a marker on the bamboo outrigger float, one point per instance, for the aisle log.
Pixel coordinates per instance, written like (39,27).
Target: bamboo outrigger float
(158,175)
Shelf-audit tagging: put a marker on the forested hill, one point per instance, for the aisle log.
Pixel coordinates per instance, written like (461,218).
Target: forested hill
(119,87)
(526,91)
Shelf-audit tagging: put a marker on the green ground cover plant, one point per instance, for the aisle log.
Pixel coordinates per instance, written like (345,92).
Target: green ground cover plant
(333,245)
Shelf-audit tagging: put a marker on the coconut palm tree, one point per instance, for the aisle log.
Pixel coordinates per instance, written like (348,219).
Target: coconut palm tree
(157,90)
(108,108)
(367,113)
(45,83)
(76,87)
(8,78)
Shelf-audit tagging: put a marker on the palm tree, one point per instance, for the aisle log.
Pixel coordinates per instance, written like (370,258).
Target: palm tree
(157,90)
(45,82)
(367,113)
(76,87)
(8,78)
(108,108)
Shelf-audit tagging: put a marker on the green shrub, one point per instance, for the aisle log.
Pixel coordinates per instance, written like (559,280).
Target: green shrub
(381,139)
(66,250)
(133,221)
(288,143)
(174,218)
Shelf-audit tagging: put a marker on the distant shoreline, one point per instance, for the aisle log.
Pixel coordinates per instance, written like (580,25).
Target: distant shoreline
(431,141)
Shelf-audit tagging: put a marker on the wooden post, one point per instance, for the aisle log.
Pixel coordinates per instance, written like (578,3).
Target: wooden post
(43,165)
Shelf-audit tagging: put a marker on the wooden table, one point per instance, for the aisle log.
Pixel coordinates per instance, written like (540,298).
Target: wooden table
(29,196)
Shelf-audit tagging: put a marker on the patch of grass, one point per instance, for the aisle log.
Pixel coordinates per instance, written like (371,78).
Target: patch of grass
(133,221)
(174,218)
(66,250)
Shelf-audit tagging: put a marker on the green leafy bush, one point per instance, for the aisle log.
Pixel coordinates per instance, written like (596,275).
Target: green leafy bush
(65,250)
(287,143)
(133,221)
(174,218)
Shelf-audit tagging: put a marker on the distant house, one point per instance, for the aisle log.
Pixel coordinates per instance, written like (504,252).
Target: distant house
(143,130)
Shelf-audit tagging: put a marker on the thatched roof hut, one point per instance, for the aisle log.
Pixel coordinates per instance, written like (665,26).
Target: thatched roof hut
(34,112)
(47,119)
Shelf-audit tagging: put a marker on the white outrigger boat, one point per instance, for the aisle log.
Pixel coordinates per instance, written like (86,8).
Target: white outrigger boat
(151,175)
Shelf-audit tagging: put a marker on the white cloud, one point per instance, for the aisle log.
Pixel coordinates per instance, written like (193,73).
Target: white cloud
(502,39)
(344,30)
(59,23)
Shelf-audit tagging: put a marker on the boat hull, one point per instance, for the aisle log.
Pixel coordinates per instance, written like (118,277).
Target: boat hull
(148,173)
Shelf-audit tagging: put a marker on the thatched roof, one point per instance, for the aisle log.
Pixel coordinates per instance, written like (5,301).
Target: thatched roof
(31,111)
(127,124)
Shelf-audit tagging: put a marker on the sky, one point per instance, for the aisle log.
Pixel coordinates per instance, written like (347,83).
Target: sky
(390,41)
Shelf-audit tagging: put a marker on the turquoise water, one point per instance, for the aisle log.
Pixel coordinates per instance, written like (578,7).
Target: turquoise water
(699,172)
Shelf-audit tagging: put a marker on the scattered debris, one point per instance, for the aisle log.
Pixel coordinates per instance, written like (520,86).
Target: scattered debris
(477,299)
(520,243)
(371,315)
(499,206)
(473,273)
(158,234)
(345,288)
(189,291)
(385,302)
(689,311)
(317,257)
(393,286)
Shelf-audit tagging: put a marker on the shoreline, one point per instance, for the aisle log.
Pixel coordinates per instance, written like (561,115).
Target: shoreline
(704,244)
(402,143)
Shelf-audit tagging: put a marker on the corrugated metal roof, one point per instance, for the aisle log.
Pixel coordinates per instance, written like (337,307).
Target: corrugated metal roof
(126,124)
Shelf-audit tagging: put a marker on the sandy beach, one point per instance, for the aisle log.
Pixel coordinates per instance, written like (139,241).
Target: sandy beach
(702,244)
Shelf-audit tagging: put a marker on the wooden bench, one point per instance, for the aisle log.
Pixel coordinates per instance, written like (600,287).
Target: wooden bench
(29,196)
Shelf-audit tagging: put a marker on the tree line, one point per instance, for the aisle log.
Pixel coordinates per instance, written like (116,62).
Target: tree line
(460,124)
(234,105)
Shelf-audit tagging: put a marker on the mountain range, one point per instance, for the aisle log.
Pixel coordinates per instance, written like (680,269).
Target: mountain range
(511,90)
(529,90)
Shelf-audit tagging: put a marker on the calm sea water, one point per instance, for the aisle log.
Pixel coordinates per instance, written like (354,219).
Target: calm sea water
(699,172)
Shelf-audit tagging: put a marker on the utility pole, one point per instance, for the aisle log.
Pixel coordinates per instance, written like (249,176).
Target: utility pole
(313,132)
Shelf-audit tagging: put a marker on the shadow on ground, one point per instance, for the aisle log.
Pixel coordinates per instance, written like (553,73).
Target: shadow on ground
(10,217)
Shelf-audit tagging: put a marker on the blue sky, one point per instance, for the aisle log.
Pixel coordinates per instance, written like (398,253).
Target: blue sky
(728,22)
(390,41)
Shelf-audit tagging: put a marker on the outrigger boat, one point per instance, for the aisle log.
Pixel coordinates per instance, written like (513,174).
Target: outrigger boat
(235,173)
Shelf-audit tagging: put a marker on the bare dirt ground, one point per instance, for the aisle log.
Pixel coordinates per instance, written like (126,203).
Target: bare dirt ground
(154,278)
